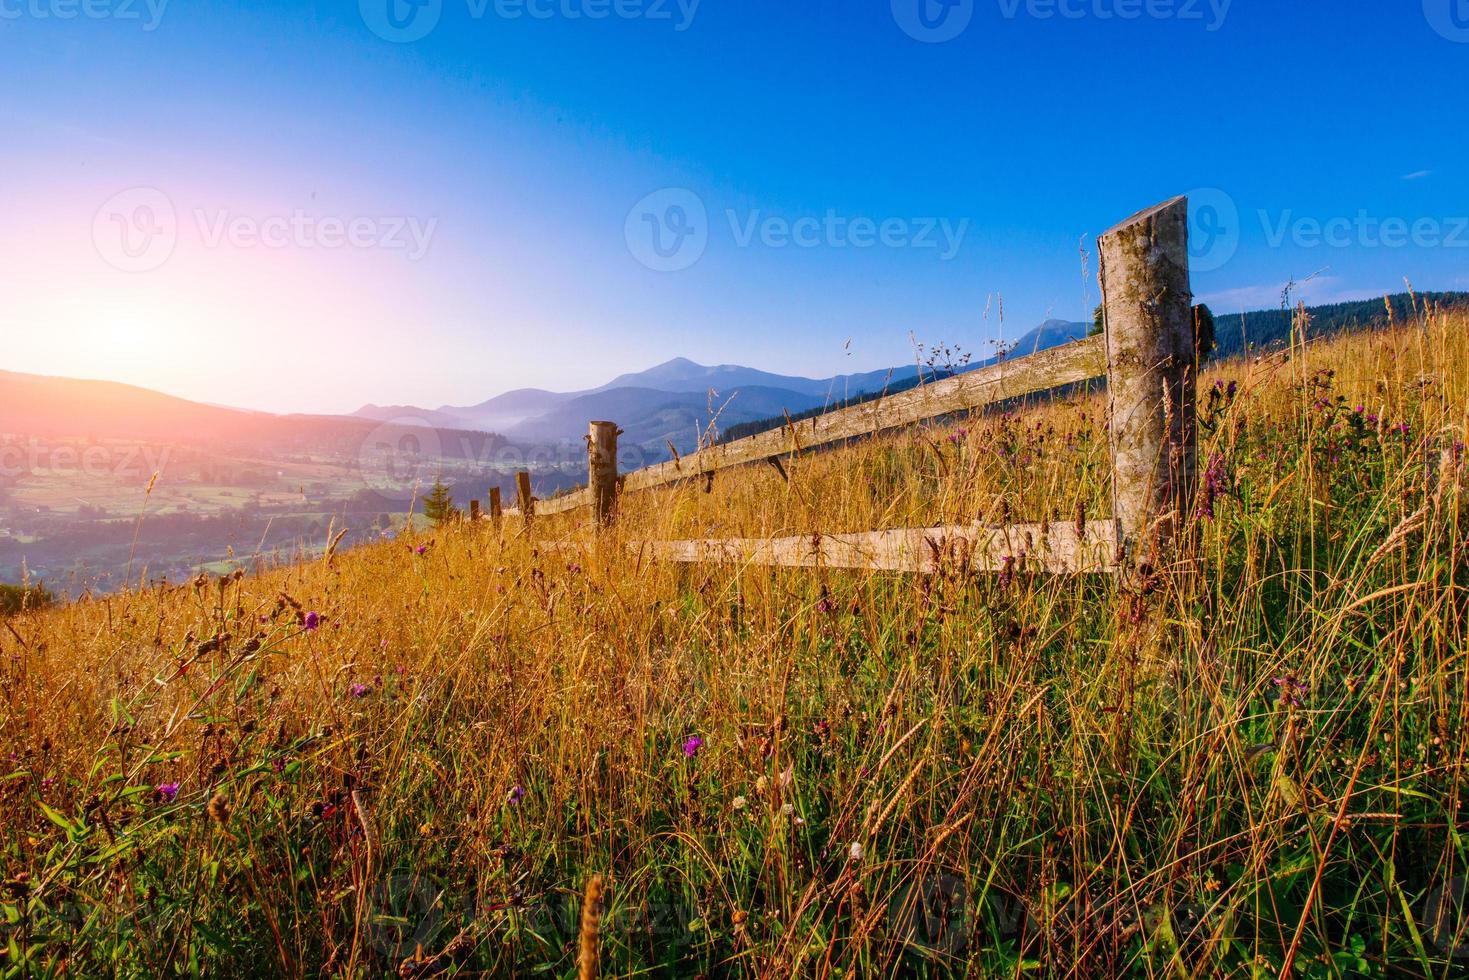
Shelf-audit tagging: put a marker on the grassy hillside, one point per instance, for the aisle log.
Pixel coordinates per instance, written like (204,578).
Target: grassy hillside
(1255,757)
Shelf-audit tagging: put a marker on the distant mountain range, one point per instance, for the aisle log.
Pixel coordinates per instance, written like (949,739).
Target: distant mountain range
(673,403)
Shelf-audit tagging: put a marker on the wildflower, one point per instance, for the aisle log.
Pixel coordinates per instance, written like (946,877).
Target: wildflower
(1216,484)
(312,621)
(166,792)
(856,852)
(422,549)
(1290,689)
(516,794)
(219,809)
(359,690)
(738,803)
(691,746)
(1007,571)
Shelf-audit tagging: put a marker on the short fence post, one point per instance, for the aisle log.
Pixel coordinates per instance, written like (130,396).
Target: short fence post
(495,504)
(602,468)
(474,511)
(522,488)
(1151,385)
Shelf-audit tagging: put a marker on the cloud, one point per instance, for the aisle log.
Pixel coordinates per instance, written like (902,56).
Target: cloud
(1418,175)
(1267,296)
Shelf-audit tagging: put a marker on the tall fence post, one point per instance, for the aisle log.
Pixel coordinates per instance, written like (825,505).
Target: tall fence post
(495,505)
(522,489)
(474,511)
(602,468)
(1148,317)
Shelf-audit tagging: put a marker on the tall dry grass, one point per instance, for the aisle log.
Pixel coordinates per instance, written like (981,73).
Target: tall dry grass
(413,757)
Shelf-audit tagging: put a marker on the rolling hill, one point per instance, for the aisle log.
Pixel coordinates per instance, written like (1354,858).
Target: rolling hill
(41,406)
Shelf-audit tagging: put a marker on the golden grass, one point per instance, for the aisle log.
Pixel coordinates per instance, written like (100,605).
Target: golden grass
(1254,758)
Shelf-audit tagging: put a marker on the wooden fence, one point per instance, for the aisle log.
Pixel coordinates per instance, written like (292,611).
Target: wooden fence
(1146,352)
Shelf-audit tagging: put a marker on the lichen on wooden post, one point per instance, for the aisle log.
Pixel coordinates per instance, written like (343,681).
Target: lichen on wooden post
(602,468)
(1148,323)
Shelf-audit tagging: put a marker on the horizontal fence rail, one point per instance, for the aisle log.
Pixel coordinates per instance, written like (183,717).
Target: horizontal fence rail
(1053,368)
(1054,549)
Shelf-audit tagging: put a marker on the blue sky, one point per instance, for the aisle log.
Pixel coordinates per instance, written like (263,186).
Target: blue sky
(506,171)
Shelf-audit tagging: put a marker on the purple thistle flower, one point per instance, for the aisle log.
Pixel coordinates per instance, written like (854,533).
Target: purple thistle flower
(359,690)
(1290,689)
(312,621)
(1216,484)
(422,549)
(516,794)
(166,792)
(691,746)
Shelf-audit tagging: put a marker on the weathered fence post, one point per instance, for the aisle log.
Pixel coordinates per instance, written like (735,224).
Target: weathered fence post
(1148,311)
(522,489)
(495,504)
(474,511)
(602,468)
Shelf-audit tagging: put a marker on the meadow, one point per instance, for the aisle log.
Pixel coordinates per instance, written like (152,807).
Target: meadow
(415,758)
